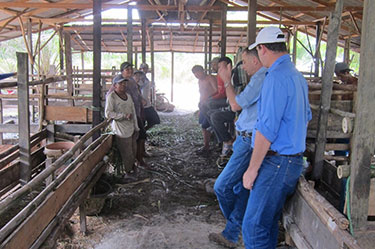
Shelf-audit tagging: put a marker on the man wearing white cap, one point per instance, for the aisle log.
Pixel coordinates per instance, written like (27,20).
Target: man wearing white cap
(278,141)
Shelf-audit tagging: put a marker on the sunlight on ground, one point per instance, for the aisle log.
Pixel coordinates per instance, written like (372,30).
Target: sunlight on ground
(185,97)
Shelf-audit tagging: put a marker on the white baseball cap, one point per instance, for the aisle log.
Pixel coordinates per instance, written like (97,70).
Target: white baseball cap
(268,35)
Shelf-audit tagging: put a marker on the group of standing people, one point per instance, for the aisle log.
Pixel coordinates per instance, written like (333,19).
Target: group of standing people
(267,157)
(128,103)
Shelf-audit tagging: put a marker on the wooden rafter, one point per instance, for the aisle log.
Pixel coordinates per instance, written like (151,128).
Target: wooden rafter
(82,48)
(25,41)
(81,39)
(125,41)
(210,4)
(195,41)
(50,38)
(103,44)
(157,11)
(354,22)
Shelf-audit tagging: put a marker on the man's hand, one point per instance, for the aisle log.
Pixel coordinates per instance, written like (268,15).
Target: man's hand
(249,178)
(225,71)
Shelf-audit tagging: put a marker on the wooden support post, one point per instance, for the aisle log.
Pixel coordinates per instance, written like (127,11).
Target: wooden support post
(205,49)
(172,75)
(251,21)
(347,51)
(83,64)
(210,45)
(294,56)
(82,218)
(152,56)
(153,92)
(129,34)
(61,49)
(68,65)
(135,57)
(30,43)
(31,65)
(23,116)
(97,89)
(327,83)
(224,29)
(144,34)
(364,129)
(317,49)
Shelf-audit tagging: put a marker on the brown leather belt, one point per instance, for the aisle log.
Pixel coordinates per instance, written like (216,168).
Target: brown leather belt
(274,153)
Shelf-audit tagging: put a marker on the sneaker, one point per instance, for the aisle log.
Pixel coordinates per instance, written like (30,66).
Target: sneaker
(227,148)
(221,240)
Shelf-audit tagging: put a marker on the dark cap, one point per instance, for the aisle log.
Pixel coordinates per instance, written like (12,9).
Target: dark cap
(125,65)
(225,59)
(143,65)
(139,71)
(118,79)
(342,67)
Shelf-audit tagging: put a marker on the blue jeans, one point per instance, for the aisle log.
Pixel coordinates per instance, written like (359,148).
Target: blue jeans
(231,194)
(277,178)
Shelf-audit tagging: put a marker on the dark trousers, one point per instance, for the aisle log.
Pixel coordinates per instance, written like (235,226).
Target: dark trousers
(217,119)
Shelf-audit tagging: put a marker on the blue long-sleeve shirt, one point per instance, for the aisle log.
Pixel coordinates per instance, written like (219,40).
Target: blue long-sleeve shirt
(247,99)
(283,108)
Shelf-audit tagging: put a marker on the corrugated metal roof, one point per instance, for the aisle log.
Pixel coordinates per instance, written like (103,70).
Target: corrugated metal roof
(183,36)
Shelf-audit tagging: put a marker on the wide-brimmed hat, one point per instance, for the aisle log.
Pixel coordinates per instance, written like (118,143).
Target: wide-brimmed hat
(341,67)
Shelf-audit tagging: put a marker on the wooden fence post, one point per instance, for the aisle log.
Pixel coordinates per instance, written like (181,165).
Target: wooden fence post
(327,84)
(23,116)
(364,129)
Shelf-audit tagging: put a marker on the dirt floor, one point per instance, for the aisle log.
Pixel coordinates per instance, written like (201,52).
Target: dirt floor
(170,206)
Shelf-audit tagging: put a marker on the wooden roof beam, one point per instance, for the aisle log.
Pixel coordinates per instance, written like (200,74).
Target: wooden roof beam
(354,22)
(82,48)
(81,39)
(195,41)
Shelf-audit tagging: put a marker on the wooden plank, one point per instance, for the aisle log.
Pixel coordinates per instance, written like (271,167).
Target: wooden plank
(327,83)
(23,116)
(13,128)
(32,227)
(73,128)
(51,232)
(11,174)
(251,21)
(67,113)
(314,231)
(330,134)
(371,199)
(364,129)
(320,223)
